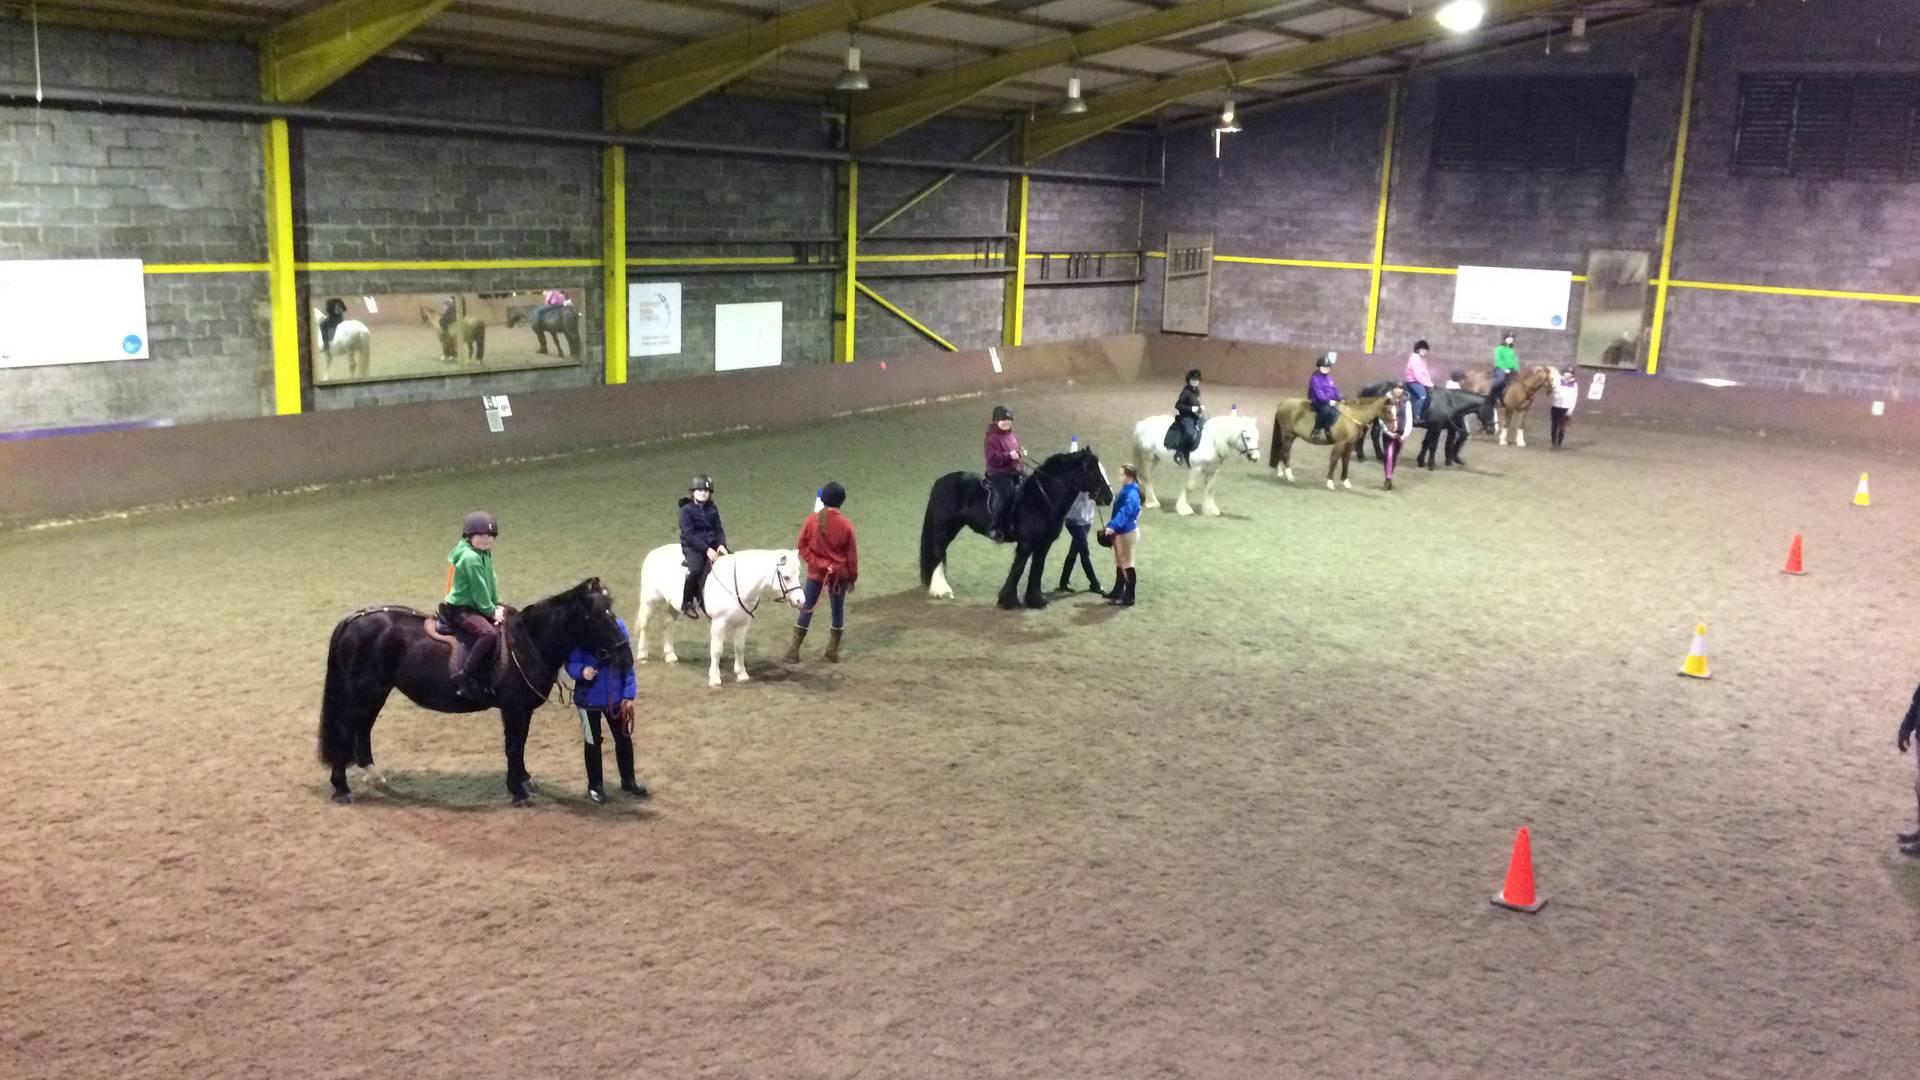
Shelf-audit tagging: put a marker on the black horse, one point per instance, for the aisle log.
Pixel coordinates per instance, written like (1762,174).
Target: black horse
(559,321)
(375,650)
(1447,413)
(959,501)
(1376,434)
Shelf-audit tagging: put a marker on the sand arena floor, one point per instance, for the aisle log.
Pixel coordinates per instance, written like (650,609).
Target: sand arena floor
(1247,829)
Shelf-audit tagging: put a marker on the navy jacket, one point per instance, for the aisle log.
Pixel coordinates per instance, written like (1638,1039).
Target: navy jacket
(603,692)
(700,526)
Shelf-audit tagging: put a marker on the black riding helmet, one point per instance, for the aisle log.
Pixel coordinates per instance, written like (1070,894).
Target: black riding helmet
(702,482)
(1001,412)
(1193,375)
(479,523)
(833,495)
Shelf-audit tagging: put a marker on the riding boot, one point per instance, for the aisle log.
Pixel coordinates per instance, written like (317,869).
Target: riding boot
(1119,590)
(793,647)
(689,597)
(1133,579)
(833,645)
(623,757)
(595,790)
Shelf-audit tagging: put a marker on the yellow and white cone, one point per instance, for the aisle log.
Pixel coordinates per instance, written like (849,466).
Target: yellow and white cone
(1860,493)
(1696,664)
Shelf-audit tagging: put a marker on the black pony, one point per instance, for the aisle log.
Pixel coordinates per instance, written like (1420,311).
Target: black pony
(1377,433)
(375,650)
(1447,413)
(959,501)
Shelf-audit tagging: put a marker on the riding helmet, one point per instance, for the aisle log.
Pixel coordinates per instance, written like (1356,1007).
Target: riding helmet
(833,495)
(1325,361)
(702,482)
(1421,346)
(1001,412)
(480,523)
(1193,375)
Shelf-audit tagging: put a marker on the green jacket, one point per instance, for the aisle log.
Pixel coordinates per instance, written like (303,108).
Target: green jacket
(1505,358)
(470,582)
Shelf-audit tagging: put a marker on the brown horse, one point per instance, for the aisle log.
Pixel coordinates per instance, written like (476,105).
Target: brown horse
(1522,388)
(1294,419)
(463,340)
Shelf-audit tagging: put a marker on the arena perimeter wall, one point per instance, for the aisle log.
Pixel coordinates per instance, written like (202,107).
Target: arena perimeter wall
(78,475)
(1651,400)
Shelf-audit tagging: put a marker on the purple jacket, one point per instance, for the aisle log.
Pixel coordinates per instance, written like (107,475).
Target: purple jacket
(1003,452)
(1320,388)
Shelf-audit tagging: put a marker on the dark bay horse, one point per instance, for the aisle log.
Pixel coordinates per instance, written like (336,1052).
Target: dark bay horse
(959,501)
(560,322)
(377,650)
(1447,412)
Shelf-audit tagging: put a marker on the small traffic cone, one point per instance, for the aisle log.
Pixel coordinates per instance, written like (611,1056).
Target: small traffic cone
(1860,493)
(1073,445)
(1518,893)
(1793,558)
(1696,664)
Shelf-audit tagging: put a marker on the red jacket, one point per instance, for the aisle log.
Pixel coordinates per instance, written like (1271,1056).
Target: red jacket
(830,552)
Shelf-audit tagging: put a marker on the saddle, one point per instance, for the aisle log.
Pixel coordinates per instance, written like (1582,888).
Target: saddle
(458,641)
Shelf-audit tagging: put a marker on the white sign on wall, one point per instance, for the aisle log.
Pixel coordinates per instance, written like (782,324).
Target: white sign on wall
(72,311)
(746,336)
(653,319)
(1503,296)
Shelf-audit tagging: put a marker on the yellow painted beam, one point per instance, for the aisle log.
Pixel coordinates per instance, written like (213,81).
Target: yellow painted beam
(648,89)
(883,113)
(1109,110)
(613,259)
(1380,217)
(1790,290)
(848,279)
(1655,336)
(896,310)
(937,183)
(283,303)
(1317,264)
(449,264)
(1013,315)
(207,268)
(310,52)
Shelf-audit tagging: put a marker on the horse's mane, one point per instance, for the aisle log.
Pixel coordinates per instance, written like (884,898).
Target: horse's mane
(1065,459)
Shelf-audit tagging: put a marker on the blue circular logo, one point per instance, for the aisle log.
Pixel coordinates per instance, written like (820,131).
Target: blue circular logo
(131,343)
(1557,320)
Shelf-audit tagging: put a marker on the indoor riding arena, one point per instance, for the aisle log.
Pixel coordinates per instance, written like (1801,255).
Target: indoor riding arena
(1487,424)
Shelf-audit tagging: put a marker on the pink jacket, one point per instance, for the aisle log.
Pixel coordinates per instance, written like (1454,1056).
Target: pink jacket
(1417,371)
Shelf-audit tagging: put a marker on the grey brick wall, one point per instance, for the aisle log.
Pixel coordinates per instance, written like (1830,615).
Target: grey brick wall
(78,185)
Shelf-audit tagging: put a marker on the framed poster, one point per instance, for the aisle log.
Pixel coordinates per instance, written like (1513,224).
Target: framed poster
(746,336)
(653,319)
(376,337)
(1504,296)
(72,311)
(1613,310)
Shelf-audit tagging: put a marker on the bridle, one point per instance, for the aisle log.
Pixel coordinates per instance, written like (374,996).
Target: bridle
(779,582)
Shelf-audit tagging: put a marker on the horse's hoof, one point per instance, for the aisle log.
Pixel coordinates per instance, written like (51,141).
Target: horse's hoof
(1007,603)
(1036,602)
(521,802)
(670,659)
(1183,511)
(742,677)
(342,798)
(1348,484)
(1329,485)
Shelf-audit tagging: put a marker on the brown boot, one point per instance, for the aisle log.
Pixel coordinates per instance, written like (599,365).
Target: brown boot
(833,646)
(793,648)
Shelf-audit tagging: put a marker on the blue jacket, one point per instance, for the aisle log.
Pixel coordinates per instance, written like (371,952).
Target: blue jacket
(1126,509)
(600,692)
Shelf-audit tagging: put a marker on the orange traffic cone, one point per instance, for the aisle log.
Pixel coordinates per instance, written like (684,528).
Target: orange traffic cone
(1793,558)
(1696,663)
(1518,893)
(1860,493)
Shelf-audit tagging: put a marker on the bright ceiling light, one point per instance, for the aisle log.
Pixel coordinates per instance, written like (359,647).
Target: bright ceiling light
(1577,43)
(1461,15)
(1229,125)
(852,80)
(1075,105)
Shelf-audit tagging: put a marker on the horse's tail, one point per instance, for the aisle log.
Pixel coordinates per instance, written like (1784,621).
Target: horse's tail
(336,738)
(1273,448)
(932,529)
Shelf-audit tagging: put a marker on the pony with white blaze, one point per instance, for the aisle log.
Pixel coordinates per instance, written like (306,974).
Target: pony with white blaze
(1222,438)
(736,592)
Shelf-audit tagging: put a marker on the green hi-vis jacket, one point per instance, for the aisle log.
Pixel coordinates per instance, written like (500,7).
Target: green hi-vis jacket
(470,582)
(1505,358)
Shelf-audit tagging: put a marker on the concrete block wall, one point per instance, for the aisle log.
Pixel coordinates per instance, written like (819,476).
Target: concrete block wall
(1085,217)
(161,189)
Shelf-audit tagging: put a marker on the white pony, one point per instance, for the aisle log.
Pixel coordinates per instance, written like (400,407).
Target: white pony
(352,338)
(733,597)
(1221,437)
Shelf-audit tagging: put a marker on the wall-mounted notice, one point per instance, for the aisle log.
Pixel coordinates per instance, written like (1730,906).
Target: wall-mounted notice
(653,319)
(746,336)
(1502,296)
(72,311)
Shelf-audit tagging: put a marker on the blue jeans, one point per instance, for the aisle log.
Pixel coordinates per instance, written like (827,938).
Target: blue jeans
(1419,394)
(836,596)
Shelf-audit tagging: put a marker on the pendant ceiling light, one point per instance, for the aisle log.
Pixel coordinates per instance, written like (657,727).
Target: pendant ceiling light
(1074,105)
(1577,43)
(1461,15)
(1229,123)
(851,80)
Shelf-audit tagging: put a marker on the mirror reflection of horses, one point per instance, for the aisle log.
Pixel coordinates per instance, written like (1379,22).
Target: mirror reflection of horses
(350,336)
(1518,398)
(463,339)
(1294,419)
(1221,438)
(732,598)
(1447,412)
(375,651)
(959,501)
(560,322)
